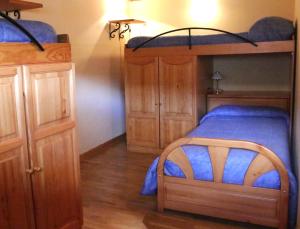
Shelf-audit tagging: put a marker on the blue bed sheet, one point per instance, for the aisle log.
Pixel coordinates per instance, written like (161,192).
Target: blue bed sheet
(43,32)
(262,125)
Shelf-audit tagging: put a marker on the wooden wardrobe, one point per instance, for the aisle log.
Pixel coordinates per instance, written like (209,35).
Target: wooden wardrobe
(165,97)
(39,160)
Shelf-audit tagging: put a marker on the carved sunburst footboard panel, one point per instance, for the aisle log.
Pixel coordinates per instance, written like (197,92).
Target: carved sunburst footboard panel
(244,203)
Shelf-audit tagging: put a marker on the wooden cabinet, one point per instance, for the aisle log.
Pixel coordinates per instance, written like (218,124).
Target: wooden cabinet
(50,158)
(163,99)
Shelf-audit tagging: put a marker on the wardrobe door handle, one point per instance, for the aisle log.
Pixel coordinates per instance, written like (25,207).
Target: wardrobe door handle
(64,106)
(29,171)
(37,169)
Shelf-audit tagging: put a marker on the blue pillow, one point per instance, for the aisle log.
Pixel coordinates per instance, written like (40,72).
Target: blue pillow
(272,29)
(247,111)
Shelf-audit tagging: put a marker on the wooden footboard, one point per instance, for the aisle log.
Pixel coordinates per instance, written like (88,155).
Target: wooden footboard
(243,203)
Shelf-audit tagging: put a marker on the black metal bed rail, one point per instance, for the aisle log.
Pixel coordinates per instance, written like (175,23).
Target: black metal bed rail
(190,36)
(23,30)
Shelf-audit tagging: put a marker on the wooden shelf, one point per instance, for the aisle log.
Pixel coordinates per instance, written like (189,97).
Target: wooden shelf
(127,21)
(11,5)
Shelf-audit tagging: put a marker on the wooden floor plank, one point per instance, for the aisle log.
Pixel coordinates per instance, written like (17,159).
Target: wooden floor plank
(111,184)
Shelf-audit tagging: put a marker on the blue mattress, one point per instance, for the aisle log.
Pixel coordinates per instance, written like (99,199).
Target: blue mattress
(266,29)
(265,126)
(43,32)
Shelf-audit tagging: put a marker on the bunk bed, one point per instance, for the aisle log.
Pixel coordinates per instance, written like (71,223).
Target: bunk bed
(166,95)
(268,35)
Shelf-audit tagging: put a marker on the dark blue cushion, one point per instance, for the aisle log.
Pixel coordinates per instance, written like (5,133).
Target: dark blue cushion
(272,29)
(43,32)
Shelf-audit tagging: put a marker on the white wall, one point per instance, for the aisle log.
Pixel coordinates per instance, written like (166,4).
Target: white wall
(255,72)
(231,15)
(100,99)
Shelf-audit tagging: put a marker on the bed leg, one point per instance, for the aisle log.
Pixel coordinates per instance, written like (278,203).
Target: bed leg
(160,201)
(160,192)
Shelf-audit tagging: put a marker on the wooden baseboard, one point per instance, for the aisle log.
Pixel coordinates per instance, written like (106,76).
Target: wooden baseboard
(102,147)
(146,150)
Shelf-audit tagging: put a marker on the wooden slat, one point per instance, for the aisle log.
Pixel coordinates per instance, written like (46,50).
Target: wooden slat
(218,157)
(263,192)
(38,69)
(252,204)
(21,53)
(283,103)
(179,158)
(236,202)
(219,49)
(220,213)
(252,94)
(259,166)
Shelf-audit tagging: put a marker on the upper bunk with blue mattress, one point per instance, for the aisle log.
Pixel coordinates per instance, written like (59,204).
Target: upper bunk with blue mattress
(271,34)
(44,45)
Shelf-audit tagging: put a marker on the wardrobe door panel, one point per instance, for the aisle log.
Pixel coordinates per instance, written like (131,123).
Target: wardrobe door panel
(55,196)
(49,91)
(141,131)
(15,193)
(175,129)
(177,81)
(142,110)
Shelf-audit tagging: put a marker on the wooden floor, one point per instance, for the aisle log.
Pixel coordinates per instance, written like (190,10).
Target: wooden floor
(111,182)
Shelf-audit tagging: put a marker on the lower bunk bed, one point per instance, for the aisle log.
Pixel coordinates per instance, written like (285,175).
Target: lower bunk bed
(234,165)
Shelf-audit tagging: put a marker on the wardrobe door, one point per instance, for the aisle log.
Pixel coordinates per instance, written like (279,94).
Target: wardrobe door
(15,195)
(142,104)
(177,80)
(49,92)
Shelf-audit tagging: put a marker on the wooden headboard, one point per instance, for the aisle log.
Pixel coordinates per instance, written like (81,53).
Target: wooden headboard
(273,99)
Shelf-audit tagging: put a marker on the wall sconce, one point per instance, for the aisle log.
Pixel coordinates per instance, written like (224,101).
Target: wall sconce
(217,76)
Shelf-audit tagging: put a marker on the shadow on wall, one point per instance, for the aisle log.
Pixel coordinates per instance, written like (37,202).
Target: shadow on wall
(100,90)
(230,15)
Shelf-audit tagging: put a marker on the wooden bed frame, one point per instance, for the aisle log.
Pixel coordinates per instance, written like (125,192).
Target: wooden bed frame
(216,49)
(268,207)
(26,53)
